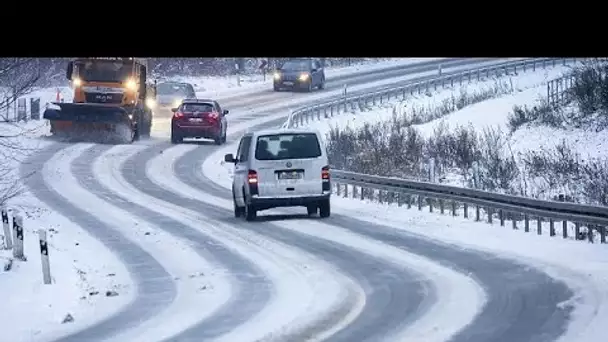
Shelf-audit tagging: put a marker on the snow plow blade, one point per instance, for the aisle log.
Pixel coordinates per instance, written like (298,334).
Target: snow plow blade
(86,112)
(90,121)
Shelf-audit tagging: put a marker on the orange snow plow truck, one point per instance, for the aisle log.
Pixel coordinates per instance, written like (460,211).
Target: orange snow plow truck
(111,98)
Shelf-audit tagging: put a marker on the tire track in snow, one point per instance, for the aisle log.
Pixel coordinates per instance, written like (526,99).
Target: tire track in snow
(395,296)
(342,291)
(155,288)
(251,290)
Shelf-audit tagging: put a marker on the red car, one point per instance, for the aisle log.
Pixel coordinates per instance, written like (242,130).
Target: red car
(199,118)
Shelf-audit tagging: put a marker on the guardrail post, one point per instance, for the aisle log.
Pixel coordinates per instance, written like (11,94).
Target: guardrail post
(477,214)
(465,208)
(501,216)
(430,201)
(565,229)
(441,206)
(526,223)
(551,227)
(8,236)
(539,226)
(534,65)
(363,190)
(409,201)
(44,253)
(603,234)
(590,233)
(490,212)
(380,195)
(577,231)
(18,234)
(355,194)
(453,208)
(419,202)
(337,189)
(400,199)
(391,197)
(345,190)
(523,66)
(514,220)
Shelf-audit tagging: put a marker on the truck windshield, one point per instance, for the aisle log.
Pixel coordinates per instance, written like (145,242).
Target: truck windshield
(287,146)
(104,71)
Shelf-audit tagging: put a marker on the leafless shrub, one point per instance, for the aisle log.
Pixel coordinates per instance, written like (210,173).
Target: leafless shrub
(17,77)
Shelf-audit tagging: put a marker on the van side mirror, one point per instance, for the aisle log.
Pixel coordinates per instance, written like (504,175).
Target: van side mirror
(174,110)
(226,111)
(229,158)
(70,69)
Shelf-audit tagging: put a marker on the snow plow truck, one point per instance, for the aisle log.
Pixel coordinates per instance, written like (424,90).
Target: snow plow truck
(112,99)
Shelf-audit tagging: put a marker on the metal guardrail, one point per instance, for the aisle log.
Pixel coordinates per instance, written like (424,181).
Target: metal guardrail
(303,116)
(422,194)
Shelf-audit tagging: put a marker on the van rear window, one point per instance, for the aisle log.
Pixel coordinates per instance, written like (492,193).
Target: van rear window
(287,146)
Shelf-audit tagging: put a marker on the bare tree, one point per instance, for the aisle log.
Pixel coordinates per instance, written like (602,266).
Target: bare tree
(17,78)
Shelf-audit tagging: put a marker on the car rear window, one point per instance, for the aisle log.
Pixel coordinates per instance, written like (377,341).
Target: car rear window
(287,146)
(196,107)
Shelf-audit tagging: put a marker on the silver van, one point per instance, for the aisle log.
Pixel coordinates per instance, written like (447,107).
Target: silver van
(280,168)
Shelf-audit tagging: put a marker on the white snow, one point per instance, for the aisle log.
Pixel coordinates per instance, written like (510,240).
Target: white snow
(586,273)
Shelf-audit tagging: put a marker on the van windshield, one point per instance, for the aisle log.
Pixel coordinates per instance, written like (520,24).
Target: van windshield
(287,146)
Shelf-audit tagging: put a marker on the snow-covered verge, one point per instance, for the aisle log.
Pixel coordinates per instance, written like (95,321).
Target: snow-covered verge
(85,275)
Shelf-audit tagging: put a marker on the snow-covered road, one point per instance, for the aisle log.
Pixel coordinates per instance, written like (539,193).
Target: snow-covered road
(199,274)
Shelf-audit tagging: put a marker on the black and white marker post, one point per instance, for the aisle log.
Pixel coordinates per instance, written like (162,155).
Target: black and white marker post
(44,253)
(8,235)
(18,234)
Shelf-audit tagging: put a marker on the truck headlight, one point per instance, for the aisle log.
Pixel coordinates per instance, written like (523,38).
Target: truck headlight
(77,82)
(276,76)
(304,77)
(177,102)
(151,103)
(131,85)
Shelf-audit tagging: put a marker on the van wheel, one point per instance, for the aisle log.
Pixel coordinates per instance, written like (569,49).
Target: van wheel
(324,208)
(238,211)
(311,209)
(250,212)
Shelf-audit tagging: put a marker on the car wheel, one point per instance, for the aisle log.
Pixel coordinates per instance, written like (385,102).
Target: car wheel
(276,88)
(311,209)
(176,138)
(309,89)
(324,208)
(322,84)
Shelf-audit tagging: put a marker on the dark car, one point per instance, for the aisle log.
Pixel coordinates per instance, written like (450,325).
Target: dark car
(199,118)
(300,74)
(170,94)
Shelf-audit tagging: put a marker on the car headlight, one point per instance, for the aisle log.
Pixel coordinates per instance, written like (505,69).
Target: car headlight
(304,77)
(77,82)
(151,103)
(131,85)
(276,76)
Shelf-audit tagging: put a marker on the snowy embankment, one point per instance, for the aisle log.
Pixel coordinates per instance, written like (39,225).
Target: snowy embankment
(587,273)
(85,274)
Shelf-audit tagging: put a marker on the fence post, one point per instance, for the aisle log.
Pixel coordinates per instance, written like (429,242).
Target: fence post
(44,253)
(18,233)
(8,236)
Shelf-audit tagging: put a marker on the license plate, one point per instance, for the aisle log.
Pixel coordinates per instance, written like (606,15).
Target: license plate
(195,120)
(290,175)
(288,83)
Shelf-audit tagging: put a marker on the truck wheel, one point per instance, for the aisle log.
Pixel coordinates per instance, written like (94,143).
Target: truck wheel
(125,133)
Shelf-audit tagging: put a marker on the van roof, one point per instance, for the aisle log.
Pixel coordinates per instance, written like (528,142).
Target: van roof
(270,131)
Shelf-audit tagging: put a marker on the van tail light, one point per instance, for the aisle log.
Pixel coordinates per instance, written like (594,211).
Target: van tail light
(325,176)
(325,172)
(252,179)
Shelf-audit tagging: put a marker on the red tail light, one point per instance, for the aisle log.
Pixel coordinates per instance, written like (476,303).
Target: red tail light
(178,115)
(252,177)
(213,115)
(325,172)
